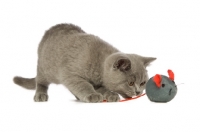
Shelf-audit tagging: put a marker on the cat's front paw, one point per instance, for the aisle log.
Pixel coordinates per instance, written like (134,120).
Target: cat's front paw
(40,97)
(111,97)
(94,98)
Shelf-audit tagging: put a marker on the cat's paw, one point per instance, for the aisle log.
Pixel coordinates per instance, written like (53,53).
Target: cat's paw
(40,97)
(111,97)
(94,98)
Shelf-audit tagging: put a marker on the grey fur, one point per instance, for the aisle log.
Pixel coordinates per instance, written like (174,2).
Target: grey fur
(89,67)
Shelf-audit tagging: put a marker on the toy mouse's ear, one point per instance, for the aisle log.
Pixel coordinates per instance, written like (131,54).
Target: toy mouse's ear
(171,75)
(157,79)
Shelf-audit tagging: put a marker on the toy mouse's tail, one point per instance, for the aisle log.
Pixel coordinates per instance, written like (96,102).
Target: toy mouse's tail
(28,83)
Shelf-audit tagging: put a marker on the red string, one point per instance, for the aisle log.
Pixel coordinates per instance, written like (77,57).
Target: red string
(132,98)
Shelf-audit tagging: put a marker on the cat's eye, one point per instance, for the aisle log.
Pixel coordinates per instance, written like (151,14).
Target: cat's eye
(141,84)
(131,83)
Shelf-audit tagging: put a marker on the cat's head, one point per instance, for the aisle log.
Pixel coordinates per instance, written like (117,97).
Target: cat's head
(126,74)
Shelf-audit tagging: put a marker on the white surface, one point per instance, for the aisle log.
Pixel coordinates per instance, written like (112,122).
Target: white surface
(168,30)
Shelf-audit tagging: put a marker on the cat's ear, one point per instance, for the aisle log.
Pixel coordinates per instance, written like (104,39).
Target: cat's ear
(123,64)
(148,60)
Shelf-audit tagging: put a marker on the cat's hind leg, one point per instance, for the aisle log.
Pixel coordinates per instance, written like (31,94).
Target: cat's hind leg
(41,92)
(41,89)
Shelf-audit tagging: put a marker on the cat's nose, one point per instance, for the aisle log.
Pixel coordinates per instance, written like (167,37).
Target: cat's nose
(137,93)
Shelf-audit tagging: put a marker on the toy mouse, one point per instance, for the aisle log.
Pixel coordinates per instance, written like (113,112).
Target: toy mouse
(161,88)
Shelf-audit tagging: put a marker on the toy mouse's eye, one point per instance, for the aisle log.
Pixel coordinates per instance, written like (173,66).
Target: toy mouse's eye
(141,84)
(131,83)
(163,85)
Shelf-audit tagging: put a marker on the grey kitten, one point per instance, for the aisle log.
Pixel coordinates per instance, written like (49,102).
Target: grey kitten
(89,67)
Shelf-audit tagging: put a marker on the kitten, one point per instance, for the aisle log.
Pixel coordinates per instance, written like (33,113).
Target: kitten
(89,67)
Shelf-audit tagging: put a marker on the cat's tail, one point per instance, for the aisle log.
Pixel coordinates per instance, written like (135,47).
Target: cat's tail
(28,83)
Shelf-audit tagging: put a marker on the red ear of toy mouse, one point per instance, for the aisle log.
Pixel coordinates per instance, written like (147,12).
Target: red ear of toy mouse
(157,79)
(171,75)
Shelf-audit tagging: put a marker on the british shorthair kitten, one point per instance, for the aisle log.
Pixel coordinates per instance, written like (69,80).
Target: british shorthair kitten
(89,67)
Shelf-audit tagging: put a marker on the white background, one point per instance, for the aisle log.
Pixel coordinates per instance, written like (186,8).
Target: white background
(166,29)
